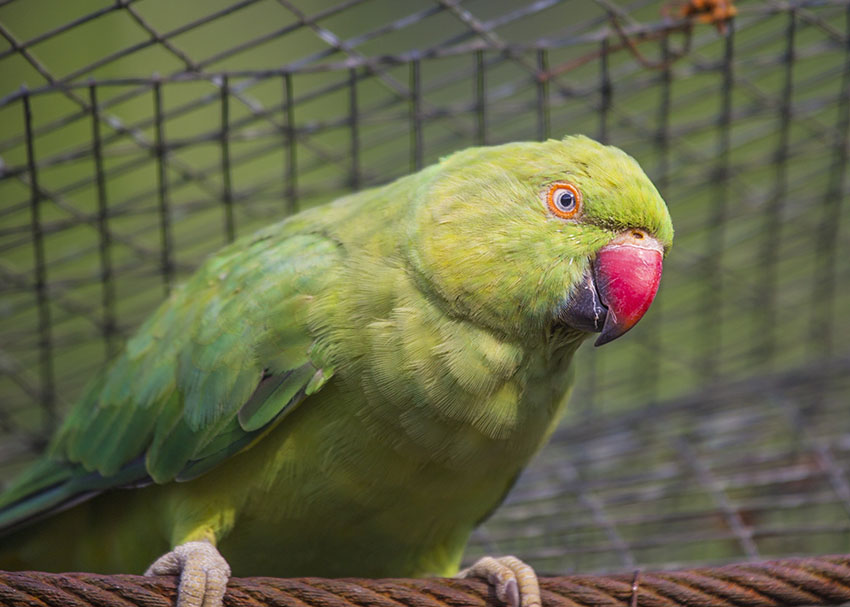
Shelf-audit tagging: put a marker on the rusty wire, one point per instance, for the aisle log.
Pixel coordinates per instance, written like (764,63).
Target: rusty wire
(781,583)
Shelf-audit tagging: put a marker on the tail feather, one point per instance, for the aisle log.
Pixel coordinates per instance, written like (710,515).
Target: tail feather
(51,486)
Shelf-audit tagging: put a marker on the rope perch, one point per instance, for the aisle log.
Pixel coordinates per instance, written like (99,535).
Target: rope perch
(781,583)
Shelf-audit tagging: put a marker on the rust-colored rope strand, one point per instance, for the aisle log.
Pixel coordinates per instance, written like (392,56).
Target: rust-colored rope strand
(782,583)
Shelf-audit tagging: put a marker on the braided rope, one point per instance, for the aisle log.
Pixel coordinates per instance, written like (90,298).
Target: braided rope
(782,583)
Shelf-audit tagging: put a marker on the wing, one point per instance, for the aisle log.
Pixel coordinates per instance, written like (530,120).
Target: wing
(227,355)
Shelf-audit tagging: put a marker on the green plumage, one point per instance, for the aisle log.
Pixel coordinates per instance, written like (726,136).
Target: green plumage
(347,392)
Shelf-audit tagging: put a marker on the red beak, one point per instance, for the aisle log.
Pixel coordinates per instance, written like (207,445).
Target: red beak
(627,272)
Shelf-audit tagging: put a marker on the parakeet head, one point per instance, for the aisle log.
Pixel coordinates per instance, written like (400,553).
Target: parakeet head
(524,236)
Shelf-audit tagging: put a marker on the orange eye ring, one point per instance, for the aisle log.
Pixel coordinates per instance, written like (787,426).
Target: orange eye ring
(564,200)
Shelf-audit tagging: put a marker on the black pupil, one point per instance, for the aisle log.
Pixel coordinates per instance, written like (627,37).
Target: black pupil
(567,200)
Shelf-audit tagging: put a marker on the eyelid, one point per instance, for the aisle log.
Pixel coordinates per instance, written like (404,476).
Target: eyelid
(553,207)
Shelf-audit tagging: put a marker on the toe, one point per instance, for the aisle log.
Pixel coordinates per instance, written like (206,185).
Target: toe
(529,589)
(193,585)
(510,593)
(215,588)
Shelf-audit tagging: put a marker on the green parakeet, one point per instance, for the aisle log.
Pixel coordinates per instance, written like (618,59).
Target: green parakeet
(351,391)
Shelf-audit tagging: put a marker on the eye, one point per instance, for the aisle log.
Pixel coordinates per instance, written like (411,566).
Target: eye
(564,200)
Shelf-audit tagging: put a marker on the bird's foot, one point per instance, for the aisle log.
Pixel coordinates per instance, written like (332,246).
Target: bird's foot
(203,573)
(515,582)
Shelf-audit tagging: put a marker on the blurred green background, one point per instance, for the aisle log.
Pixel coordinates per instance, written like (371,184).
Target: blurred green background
(133,127)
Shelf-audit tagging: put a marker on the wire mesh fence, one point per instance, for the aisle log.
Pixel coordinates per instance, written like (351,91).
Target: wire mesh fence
(150,133)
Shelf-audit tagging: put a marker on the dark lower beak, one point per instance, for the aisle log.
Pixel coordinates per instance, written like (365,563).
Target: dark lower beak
(584,310)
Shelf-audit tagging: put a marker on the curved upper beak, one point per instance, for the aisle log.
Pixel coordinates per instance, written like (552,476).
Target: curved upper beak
(618,289)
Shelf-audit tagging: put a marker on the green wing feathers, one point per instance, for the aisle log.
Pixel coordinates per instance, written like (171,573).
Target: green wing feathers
(229,353)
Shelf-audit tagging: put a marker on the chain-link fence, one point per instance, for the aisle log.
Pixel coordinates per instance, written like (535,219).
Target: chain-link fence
(149,133)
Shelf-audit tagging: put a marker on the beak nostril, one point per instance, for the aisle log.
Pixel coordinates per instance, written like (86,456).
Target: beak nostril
(638,235)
